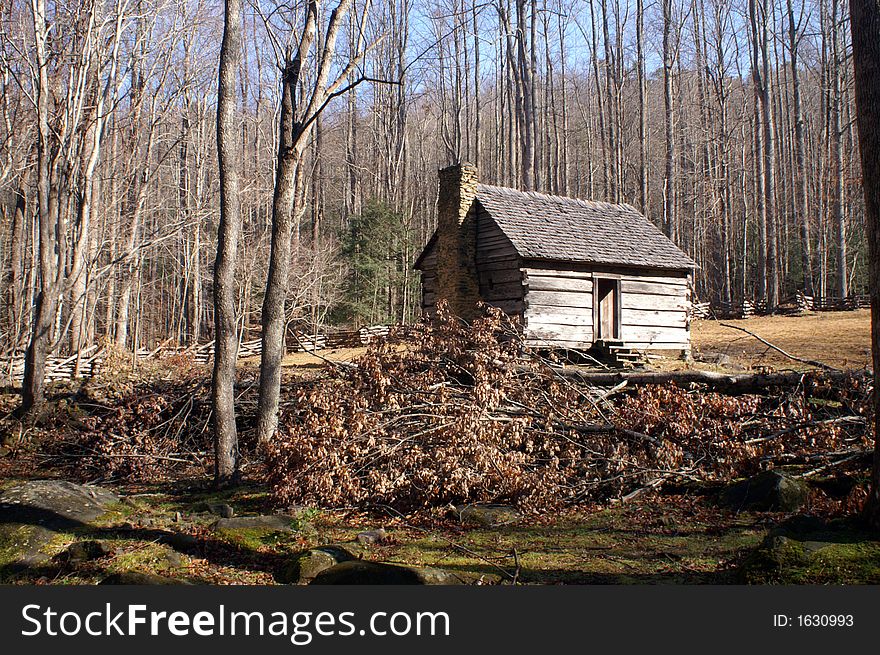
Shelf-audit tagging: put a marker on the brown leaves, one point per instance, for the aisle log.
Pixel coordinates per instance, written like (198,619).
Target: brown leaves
(456,414)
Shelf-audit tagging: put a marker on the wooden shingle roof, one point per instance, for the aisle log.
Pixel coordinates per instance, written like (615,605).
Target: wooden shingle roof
(558,228)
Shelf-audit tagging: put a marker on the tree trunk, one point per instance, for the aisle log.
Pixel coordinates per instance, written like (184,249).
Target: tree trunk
(16,287)
(287,174)
(226,334)
(669,218)
(865,16)
(643,109)
(767,126)
(842,286)
(801,193)
(33,386)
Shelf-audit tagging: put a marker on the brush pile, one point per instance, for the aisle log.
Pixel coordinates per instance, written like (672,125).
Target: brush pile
(458,413)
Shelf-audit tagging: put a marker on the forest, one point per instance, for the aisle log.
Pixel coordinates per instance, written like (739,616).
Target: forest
(729,124)
(226,201)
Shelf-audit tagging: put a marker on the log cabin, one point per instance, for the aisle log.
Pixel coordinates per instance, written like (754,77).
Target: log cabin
(576,273)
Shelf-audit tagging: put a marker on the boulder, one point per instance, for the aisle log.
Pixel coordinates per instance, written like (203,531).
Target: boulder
(372,537)
(267,523)
(359,572)
(84,551)
(219,509)
(801,525)
(55,504)
(32,513)
(165,557)
(487,516)
(770,491)
(257,531)
(303,567)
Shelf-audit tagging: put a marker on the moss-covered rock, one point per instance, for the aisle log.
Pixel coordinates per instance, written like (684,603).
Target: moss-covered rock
(823,554)
(770,491)
(379,573)
(84,551)
(258,531)
(303,567)
(34,513)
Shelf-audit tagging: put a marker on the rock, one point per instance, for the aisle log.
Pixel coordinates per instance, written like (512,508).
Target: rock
(55,504)
(84,551)
(770,491)
(141,578)
(179,540)
(218,509)
(778,551)
(801,525)
(32,513)
(372,537)
(223,510)
(257,531)
(269,522)
(303,567)
(379,573)
(168,558)
(807,550)
(487,516)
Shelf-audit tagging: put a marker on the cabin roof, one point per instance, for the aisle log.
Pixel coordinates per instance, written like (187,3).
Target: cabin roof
(559,228)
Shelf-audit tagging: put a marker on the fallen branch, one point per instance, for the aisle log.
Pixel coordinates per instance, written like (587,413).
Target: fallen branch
(733,383)
(808,362)
(825,467)
(861,420)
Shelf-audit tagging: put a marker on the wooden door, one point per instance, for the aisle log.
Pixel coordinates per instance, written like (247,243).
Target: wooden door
(607,309)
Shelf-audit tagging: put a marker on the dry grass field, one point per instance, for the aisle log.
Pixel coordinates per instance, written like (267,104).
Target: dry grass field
(840,339)
(308,360)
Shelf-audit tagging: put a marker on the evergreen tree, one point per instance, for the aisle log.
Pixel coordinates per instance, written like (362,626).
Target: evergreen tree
(377,249)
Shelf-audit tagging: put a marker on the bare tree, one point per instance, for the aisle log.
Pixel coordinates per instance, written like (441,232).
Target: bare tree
(225,323)
(669,55)
(301,105)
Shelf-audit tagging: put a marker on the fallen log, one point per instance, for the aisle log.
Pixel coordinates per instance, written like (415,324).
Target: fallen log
(732,383)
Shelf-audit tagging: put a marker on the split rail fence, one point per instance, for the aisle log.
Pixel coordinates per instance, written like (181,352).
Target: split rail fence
(89,361)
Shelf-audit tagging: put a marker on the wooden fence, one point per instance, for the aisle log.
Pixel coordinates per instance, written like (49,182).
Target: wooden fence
(796,304)
(89,361)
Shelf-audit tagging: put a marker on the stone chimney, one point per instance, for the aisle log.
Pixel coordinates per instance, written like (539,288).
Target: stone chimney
(457,279)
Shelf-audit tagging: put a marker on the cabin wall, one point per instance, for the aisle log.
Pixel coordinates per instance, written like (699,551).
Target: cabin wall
(498,267)
(555,300)
(429,281)
(654,313)
(559,309)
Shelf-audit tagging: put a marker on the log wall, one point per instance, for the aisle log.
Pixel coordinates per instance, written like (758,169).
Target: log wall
(559,308)
(498,267)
